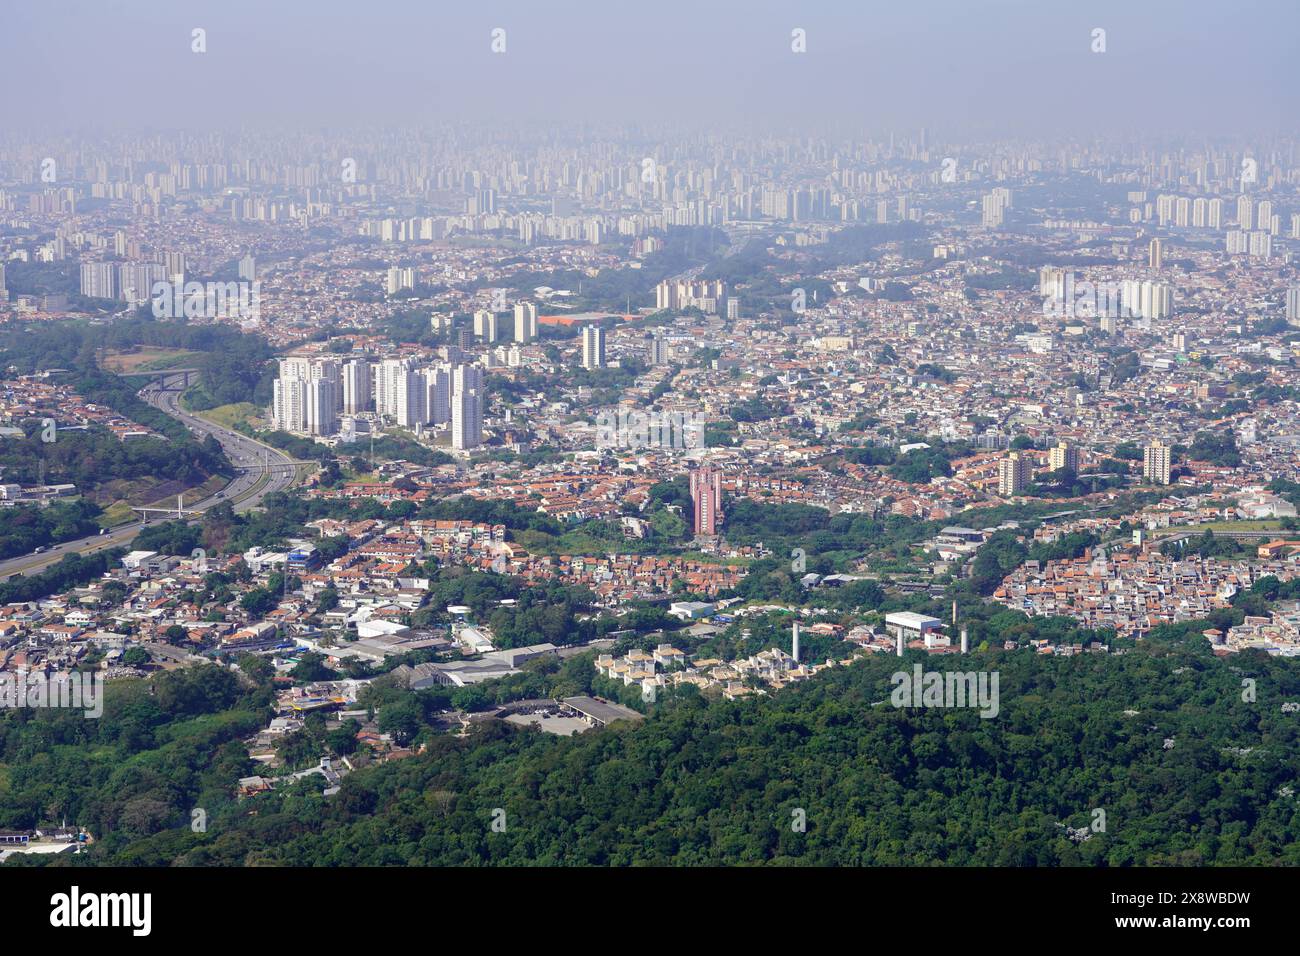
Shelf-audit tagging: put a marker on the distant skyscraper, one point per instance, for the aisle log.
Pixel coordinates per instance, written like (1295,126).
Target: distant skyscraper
(1165,209)
(287,411)
(1014,474)
(1063,455)
(387,374)
(1156,256)
(1260,244)
(1051,282)
(321,402)
(400,279)
(1156,460)
(466,407)
(706,497)
(247,269)
(593,347)
(1148,300)
(308,395)
(994,207)
(1245,213)
(483,203)
(356,386)
(486,326)
(135,281)
(1200,210)
(657,349)
(97,280)
(409,390)
(1216,213)
(525,322)
(1264,216)
(438,385)
(1293,305)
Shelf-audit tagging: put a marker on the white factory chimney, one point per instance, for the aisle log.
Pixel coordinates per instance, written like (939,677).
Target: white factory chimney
(965,643)
(900,642)
(796,642)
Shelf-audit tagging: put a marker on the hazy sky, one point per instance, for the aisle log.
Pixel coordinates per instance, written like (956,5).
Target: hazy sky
(1001,66)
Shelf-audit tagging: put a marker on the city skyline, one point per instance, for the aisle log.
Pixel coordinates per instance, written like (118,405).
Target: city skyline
(671,436)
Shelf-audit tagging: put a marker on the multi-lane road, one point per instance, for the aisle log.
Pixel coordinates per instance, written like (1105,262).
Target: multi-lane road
(259,470)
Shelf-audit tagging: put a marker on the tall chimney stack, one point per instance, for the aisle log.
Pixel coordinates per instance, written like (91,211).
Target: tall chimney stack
(795,655)
(965,642)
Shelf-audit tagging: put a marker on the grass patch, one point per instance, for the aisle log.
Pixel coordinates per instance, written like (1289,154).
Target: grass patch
(147,358)
(228,416)
(119,512)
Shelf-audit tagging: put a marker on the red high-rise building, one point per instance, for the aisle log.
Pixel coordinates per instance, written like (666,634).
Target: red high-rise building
(706,496)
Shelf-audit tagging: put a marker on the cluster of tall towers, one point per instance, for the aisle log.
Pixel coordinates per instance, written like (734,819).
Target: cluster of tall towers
(487,324)
(311,394)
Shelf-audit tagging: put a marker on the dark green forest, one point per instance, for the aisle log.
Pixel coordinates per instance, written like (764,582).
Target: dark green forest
(1161,739)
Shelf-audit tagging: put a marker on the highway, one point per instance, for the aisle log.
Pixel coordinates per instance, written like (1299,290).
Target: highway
(259,470)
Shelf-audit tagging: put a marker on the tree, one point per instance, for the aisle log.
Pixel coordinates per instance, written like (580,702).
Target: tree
(311,667)
(401,720)
(135,657)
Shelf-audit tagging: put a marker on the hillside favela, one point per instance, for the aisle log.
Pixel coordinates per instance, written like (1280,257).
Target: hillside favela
(712,483)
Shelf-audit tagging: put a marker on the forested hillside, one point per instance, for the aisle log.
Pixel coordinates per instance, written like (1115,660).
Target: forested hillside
(1197,775)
